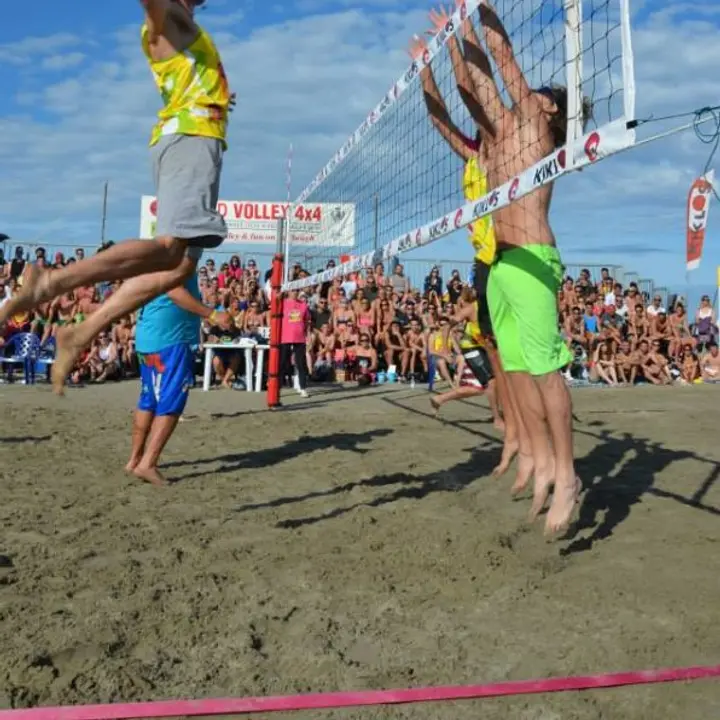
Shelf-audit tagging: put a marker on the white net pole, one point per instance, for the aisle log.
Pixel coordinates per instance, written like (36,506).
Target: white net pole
(628,62)
(574,72)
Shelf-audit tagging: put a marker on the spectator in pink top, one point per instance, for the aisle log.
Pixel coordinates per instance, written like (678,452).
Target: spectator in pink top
(295,326)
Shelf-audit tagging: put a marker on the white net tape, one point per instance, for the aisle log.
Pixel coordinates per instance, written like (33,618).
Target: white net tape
(611,136)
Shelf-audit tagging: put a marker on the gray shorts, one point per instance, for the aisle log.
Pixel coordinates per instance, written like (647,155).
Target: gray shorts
(186,169)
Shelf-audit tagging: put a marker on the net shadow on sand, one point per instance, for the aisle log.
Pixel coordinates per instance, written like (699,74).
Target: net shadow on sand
(267,457)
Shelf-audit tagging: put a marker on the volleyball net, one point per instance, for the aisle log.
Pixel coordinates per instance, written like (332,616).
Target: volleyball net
(400,172)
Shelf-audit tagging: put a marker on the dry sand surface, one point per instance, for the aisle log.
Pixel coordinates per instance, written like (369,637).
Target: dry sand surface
(353,542)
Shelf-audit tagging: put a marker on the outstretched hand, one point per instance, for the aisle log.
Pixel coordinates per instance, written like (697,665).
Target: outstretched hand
(439,19)
(417,47)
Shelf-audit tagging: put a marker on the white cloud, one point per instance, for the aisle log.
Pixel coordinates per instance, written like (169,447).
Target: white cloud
(311,81)
(27,50)
(63,61)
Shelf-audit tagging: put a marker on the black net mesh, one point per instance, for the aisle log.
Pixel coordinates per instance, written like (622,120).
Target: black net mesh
(401,173)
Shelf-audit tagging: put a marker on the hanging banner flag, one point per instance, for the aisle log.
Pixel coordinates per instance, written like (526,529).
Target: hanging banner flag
(697,216)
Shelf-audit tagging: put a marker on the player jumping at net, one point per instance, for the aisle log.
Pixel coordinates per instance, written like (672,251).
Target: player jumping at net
(526,275)
(482,235)
(167,329)
(187,147)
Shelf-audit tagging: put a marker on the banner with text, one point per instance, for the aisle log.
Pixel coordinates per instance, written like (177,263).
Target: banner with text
(255,223)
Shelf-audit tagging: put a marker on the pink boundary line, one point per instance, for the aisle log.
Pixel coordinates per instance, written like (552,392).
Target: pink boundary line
(317,701)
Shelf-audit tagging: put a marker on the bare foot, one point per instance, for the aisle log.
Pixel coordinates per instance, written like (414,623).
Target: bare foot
(509,451)
(541,492)
(68,351)
(35,290)
(525,468)
(435,406)
(150,475)
(562,509)
(132,464)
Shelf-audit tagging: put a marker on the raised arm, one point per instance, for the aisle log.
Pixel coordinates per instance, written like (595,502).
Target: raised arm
(486,91)
(463,79)
(439,116)
(500,47)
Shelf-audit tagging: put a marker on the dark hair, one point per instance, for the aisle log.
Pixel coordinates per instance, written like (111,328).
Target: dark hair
(559,95)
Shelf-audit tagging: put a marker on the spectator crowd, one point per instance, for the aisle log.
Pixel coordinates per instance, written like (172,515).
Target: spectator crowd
(372,325)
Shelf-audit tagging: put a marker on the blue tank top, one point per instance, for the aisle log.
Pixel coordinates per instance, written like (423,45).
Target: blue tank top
(162,324)
(591,323)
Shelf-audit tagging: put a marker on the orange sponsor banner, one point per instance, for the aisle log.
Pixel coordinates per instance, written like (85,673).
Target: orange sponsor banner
(698,207)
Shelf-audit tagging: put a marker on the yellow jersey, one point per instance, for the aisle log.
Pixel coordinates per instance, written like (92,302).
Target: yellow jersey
(482,233)
(194,90)
(472,336)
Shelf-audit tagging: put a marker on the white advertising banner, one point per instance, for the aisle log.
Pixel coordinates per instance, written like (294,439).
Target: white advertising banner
(255,223)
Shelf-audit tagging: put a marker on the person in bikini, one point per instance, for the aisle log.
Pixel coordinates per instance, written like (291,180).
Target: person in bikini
(365,363)
(528,271)
(187,147)
(624,363)
(710,364)
(655,365)
(416,352)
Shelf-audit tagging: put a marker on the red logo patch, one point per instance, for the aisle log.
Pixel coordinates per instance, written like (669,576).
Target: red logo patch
(591,146)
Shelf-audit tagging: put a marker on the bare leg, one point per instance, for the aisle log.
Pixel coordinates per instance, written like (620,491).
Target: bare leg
(533,417)
(162,428)
(466,391)
(142,421)
(131,295)
(558,407)
(517,437)
(122,261)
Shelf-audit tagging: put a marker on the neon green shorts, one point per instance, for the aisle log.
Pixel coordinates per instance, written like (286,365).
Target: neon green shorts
(522,297)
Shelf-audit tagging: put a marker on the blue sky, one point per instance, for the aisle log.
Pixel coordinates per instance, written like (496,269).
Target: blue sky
(79,102)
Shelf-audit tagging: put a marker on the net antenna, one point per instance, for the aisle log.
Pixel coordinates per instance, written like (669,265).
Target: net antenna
(582,46)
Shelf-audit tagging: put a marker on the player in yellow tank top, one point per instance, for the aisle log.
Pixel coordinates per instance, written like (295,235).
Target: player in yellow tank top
(194,90)
(187,147)
(482,232)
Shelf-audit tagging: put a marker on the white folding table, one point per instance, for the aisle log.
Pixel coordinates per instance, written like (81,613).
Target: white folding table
(249,346)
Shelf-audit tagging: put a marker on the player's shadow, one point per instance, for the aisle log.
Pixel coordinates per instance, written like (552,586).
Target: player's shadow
(301,447)
(408,487)
(629,466)
(25,439)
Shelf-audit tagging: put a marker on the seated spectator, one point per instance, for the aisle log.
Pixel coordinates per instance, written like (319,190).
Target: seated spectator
(365,360)
(656,367)
(656,307)
(440,347)
(415,360)
(625,365)
(603,366)
(705,322)
(681,337)
(710,364)
(103,361)
(689,367)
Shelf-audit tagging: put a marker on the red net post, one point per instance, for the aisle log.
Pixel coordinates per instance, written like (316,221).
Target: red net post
(273,391)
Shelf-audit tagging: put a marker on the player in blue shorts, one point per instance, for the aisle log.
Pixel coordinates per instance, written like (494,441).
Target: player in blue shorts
(167,329)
